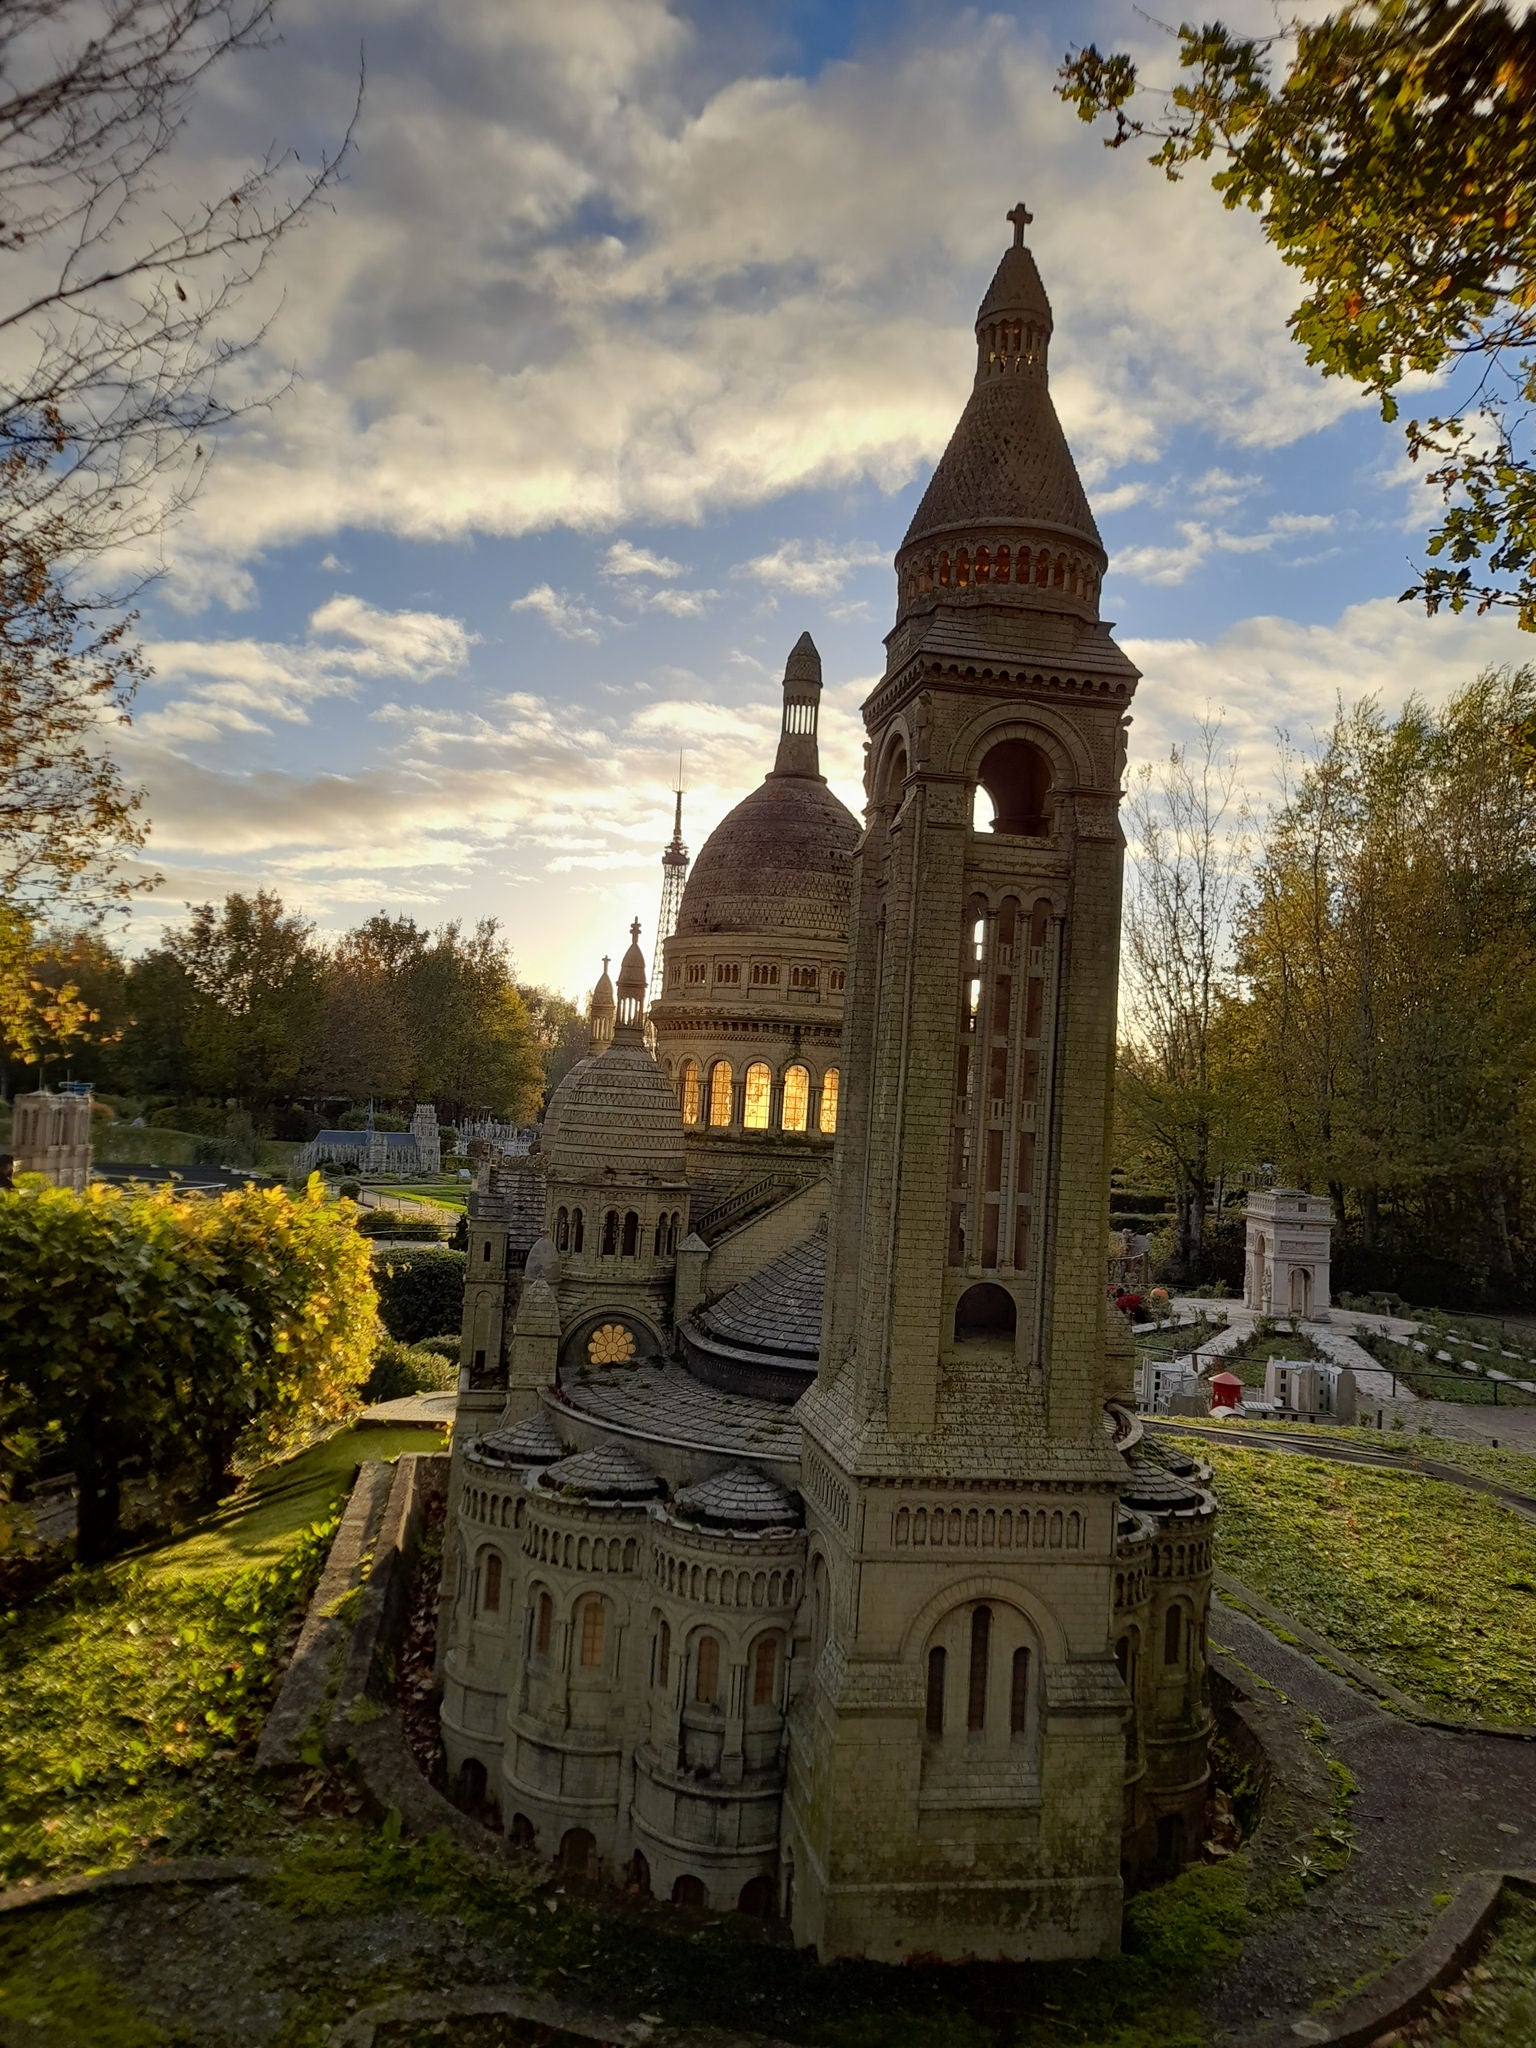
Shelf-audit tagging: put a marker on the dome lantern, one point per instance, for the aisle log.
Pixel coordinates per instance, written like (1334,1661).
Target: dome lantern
(631,1005)
(601,1013)
(798,753)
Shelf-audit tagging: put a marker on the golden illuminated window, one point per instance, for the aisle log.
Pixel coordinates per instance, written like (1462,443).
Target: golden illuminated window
(693,1092)
(757,1091)
(591,1634)
(611,1344)
(829,1101)
(797,1099)
(706,1677)
(720,1094)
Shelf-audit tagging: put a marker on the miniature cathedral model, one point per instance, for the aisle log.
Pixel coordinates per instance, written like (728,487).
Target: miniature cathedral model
(805,1557)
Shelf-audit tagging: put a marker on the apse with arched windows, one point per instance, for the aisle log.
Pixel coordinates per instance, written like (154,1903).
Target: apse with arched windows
(791,1099)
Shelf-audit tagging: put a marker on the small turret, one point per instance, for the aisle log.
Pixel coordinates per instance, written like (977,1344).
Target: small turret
(631,1013)
(601,1014)
(798,753)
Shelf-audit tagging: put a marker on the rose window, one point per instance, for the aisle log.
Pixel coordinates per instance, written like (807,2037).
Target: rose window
(612,1344)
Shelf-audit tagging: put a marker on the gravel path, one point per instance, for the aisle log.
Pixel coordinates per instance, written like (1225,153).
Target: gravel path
(1431,1808)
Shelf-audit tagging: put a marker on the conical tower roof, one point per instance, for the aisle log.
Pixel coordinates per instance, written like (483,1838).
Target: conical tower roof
(1008,464)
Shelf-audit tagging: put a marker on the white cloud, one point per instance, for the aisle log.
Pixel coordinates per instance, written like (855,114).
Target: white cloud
(419,645)
(565,615)
(1174,563)
(625,559)
(812,571)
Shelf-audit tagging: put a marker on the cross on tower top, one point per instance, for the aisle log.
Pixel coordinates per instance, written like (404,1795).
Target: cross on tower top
(634,932)
(1021,217)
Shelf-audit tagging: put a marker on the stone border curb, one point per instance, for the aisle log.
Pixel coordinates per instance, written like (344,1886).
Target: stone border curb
(1402,1992)
(63,1891)
(506,2001)
(301,1701)
(1318,1647)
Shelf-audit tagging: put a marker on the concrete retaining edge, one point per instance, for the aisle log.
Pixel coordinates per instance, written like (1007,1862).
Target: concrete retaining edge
(1403,1992)
(63,1891)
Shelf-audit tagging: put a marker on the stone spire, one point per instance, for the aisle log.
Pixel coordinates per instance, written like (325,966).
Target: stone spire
(674,879)
(797,753)
(601,1014)
(1005,509)
(631,1008)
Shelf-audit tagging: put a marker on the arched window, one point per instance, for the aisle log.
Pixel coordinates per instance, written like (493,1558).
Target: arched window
(895,775)
(689,1891)
(692,1093)
(797,1099)
(1018,1694)
(521,1832)
(663,1654)
(490,1592)
(544,1625)
(660,1243)
(829,1087)
(578,1230)
(562,1230)
(1017,777)
(610,1233)
(1173,1635)
(984,1314)
(578,1853)
(706,1673)
(765,1671)
(756,1096)
(720,1094)
(631,1234)
(756,1899)
(981,1652)
(592,1619)
(933,1716)
(672,1230)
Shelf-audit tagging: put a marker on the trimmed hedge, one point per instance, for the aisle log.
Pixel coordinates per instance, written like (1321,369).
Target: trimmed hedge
(421,1293)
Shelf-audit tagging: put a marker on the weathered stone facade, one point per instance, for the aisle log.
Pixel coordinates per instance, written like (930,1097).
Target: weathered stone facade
(805,1556)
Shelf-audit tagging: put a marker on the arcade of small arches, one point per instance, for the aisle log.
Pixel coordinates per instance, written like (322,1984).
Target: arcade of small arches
(792,1101)
(621,1233)
(1068,571)
(989,1528)
(803,979)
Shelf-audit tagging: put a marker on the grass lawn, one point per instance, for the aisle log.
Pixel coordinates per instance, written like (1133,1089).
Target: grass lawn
(1437,1380)
(131,1696)
(1427,1584)
(1515,1469)
(440,1197)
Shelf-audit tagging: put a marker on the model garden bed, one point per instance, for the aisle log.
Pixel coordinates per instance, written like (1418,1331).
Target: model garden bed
(1429,1585)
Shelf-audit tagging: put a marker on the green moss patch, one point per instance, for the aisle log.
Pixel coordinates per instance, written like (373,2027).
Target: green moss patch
(1426,1583)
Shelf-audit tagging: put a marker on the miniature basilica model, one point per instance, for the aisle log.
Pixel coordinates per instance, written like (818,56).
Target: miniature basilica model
(805,1556)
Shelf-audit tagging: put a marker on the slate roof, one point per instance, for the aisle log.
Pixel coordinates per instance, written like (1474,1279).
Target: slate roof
(1162,1477)
(606,1472)
(738,1498)
(664,1402)
(394,1141)
(529,1442)
(777,1310)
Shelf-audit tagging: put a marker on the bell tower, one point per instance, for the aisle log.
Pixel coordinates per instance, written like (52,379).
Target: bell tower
(957,1760)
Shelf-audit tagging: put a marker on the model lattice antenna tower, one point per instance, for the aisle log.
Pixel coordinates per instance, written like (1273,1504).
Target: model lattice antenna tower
(674,873)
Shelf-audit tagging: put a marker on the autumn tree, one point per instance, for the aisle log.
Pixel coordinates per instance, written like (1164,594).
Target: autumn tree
(1177,1106)
(259,978)
(1389,150)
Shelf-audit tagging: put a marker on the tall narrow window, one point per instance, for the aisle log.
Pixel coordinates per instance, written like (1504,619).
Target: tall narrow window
(1018,1694)
(562,1230)
(544,1627)
(765,1660)
(756,1096)
(1173,1635)
(829,1102)
(663,1655)
(797,1099)
(981,1647)
(706,1676)
(592,1634)
(720,1094)
(578,1229)
(491,1601)
(631,1234)
(610,1233)
(933,1719)
(693,1093)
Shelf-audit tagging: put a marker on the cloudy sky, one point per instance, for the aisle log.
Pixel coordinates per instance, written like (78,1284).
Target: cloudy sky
(621,357)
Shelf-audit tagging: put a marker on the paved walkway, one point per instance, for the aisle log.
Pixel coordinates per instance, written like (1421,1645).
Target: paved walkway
(438,1408)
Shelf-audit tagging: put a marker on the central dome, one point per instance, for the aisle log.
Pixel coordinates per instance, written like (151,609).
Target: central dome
(780,862)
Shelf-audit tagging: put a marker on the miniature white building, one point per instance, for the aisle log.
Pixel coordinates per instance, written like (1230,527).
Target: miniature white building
(429,1144)
(1304,1392)
(1287,1253)
(51,1134)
